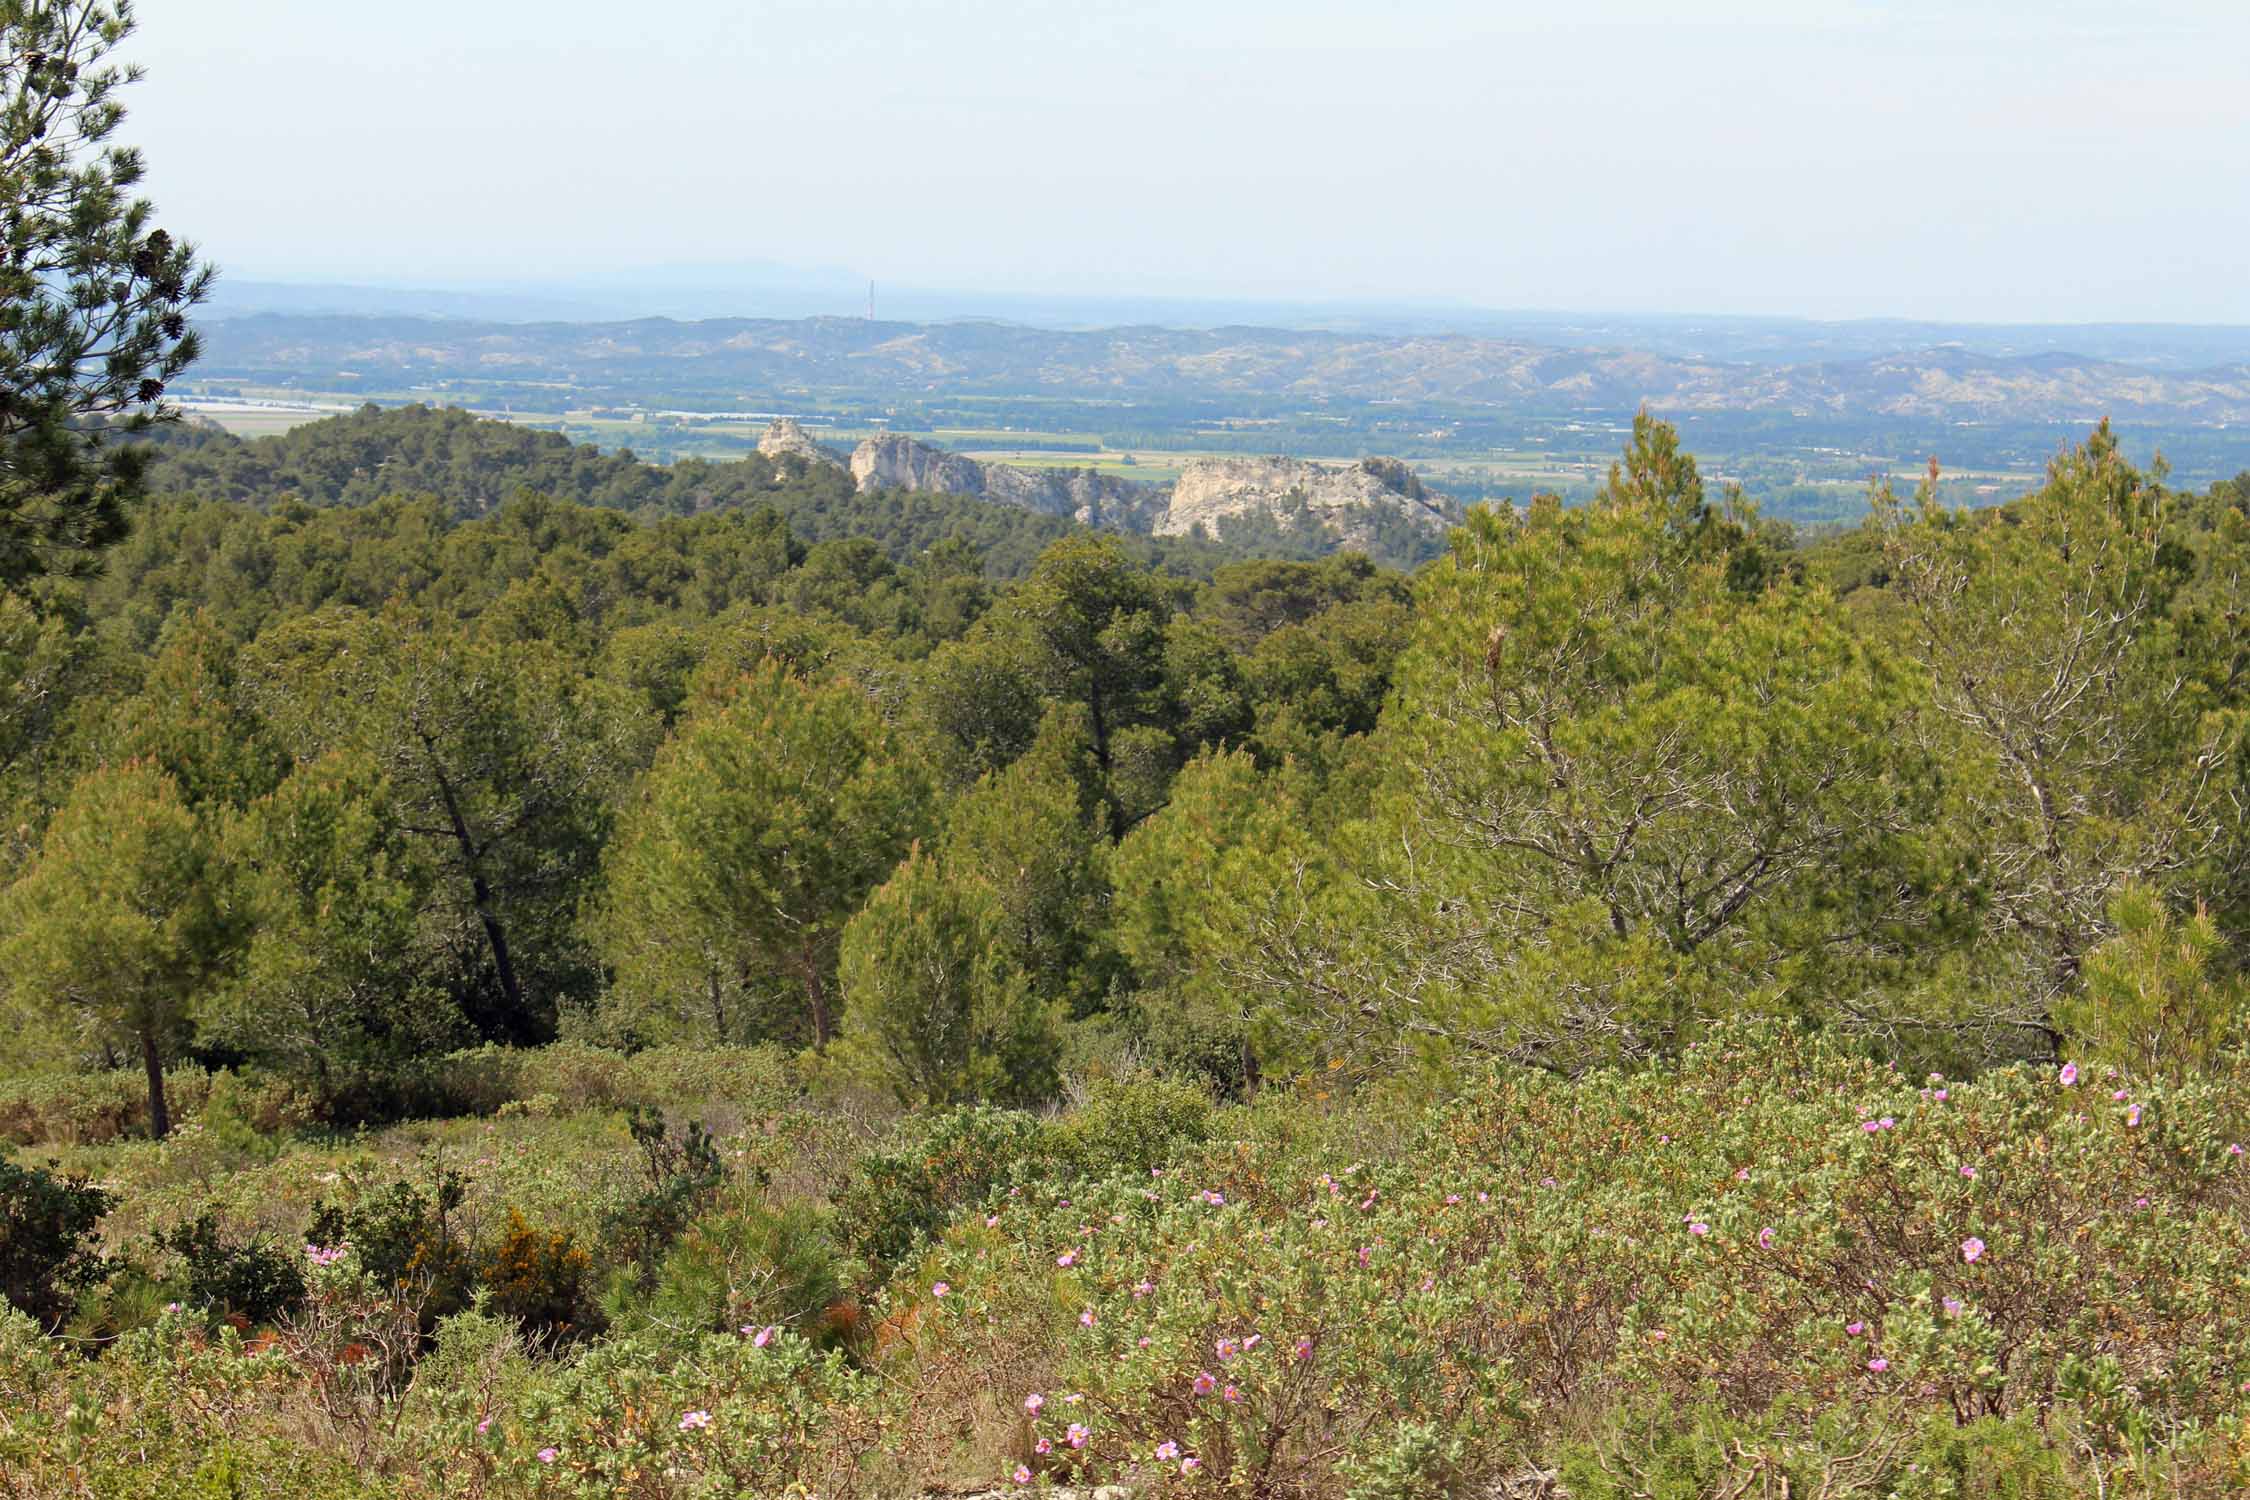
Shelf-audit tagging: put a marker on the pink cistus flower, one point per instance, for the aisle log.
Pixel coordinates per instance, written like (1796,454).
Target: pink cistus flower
(1077,1435)
(1699,1228)
(1878,1365)
(1043,1446)
(2068,1078)
(2133,1115)
(1855,1329)
(939,1289)
(1067,1259)
(1304,1349)
(1022,1475)
(1033,1402)
(1086,1318)
(484,1427)
(1167,1450)
(1190,1465)
(1226,1348)
(549,1455)
(695,1421)
(1971,1248)
(1205,1382)
(1765,1238)
(1970,1173)
(1952,1307)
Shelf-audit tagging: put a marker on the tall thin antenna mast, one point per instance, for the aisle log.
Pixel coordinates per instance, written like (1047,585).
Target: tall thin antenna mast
(870,301)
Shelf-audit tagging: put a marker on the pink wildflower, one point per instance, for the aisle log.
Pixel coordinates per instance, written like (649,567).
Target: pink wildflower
(2069,1075)
(1033,1402)
(694,1421)
(1167,1450)
(1765,1238)
(1971,1248)
(549,1455)
(1077,1435)
(939,1289)
(1878,1365)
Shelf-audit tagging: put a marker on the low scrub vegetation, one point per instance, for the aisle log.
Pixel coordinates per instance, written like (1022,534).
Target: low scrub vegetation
(1770,1262)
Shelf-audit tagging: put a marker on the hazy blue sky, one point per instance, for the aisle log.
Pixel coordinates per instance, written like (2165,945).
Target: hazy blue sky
(2070,160)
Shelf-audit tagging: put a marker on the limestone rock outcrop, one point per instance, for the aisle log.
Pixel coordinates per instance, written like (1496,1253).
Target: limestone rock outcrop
(786,438)
(895,461)
(1360,505)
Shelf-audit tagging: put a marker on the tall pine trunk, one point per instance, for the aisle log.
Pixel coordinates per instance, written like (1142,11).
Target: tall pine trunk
(159,1117)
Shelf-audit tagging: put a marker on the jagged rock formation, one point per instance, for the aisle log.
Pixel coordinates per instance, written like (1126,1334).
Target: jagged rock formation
(786,438)
(895,461)
(1370,505)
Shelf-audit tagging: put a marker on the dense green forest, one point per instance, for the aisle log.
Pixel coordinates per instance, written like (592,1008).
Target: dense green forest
(528,975)
(705,983)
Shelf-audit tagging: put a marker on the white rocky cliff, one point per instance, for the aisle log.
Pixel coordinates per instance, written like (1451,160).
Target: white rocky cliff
(895,461)
(1375,505)
(1356,504)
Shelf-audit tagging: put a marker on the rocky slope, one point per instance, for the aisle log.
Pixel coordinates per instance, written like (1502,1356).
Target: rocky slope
(1375,505)
(895,461)
(786,439)
(1364,505)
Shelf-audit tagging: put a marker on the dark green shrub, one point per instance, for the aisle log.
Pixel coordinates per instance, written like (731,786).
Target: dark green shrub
(935,1167)
(247,1278)
(49,1250)
(1128,1125)
(406,1240)
(680,1176)
(751,1263)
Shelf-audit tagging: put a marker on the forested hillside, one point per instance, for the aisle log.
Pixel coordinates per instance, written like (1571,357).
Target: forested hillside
(602,980)
(472,467)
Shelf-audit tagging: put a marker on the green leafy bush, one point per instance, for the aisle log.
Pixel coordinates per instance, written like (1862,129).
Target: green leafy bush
(245,1278)
(753,1264)
(406,1240)
(937,1166)
(1127,1125)
(680,1176)
(49,1246)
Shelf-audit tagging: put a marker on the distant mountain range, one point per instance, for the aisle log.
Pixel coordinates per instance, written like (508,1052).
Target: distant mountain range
(642,359)
(764,290)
